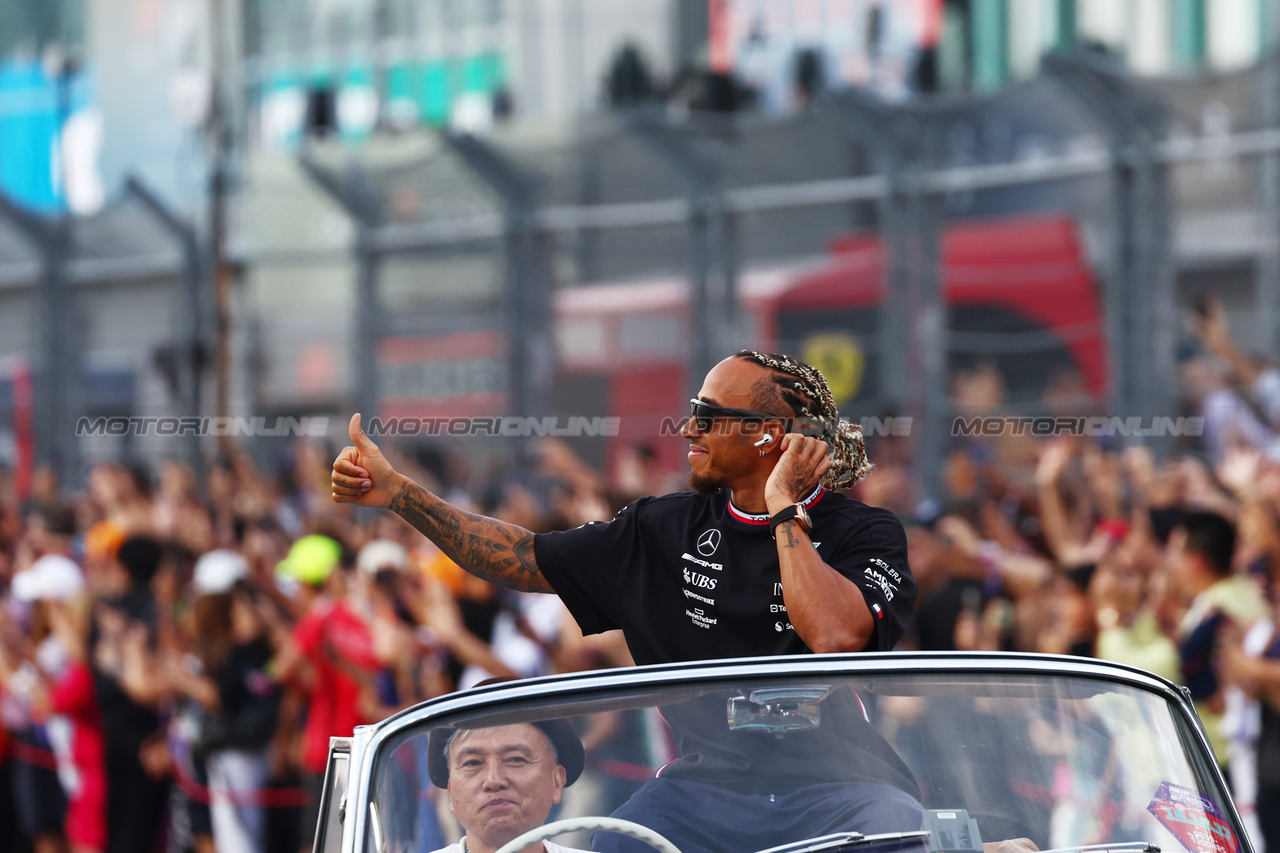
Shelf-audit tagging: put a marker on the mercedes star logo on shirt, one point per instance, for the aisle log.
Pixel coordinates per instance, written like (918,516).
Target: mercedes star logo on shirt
(708,542)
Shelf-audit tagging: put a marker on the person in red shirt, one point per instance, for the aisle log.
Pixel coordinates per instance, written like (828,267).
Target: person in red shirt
(73,697)
(328,656)
(55,585)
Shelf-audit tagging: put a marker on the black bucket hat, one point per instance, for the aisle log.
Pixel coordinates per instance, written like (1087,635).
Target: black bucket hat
(568,746)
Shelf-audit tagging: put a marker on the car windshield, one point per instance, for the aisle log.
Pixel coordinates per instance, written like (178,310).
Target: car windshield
(1065,761)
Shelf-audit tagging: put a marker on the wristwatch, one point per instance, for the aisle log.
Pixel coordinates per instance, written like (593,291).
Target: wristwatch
(796,511)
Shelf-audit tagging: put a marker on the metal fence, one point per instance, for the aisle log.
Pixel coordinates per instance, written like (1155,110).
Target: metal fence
(679,230)
(602,269)
(103,318)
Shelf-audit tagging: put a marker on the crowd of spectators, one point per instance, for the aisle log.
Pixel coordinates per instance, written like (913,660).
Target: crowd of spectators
(174,655)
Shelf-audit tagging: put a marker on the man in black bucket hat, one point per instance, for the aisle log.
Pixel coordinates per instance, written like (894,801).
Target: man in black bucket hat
(503,780)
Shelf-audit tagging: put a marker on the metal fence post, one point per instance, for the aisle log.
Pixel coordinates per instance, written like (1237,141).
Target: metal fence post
(867,121)
(711,251)
(1267,270)
(368,330)
(701,354)
(529,315)
(927,318)
(191,352)
(1119,297)
(913,344)
(61,372)
(1140,295)
(1157,311)
(894,348)
(364,210)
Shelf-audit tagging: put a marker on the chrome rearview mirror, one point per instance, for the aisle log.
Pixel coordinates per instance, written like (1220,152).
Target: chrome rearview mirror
(778,710)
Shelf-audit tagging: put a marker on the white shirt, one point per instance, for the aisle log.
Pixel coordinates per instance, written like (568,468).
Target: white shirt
(551,847)
(1266,391)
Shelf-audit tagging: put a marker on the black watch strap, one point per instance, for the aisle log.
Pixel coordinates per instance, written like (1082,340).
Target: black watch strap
(785,514)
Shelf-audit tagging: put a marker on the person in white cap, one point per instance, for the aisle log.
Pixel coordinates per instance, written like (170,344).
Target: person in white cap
(53,577)
(57,684)
(217,571)
(381,555)
(376,594)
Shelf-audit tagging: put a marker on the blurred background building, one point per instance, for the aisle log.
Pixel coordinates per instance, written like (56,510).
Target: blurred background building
(438,208)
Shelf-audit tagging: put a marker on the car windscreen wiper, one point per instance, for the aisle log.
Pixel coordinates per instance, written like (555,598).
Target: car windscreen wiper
(851,840)
(847,841)
(1136,846)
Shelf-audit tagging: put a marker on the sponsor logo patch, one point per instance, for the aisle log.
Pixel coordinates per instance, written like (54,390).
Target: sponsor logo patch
(715,567)
(877,578)
(696,597)
(708,542)
(699,618)
(700,581)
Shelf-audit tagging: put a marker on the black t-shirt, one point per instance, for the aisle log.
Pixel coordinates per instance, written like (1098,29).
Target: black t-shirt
(125,722)
(690,578)
(249,699)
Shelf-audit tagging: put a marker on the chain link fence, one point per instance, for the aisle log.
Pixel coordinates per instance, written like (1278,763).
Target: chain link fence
(102,322)
(1047,233)
(1048,238)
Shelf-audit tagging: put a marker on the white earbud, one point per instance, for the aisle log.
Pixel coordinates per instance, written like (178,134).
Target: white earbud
(767,438)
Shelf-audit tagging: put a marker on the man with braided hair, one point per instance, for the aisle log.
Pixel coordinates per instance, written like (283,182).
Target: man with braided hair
(761,558)
(800,387)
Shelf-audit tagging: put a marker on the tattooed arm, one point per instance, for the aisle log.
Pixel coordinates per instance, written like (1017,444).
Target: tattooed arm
(499,552)
(827,610)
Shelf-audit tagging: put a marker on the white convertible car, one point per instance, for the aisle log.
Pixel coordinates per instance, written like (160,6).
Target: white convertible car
(1071,753)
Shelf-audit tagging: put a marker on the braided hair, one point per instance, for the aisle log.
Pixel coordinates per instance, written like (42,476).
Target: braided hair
(803,389)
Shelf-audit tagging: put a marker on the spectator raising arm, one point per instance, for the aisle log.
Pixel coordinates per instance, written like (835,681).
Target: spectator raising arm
(1262,381)
(1214,331)
(1057,527)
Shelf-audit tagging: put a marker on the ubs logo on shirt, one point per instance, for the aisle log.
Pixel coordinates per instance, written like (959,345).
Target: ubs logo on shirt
(700,581)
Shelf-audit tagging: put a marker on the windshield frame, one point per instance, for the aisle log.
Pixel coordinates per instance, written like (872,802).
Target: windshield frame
(369,740)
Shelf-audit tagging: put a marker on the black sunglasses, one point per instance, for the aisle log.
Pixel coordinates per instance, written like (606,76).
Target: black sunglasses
(704,415)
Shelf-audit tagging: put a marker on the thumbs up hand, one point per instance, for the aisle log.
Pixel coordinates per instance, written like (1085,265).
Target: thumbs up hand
(361,474)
